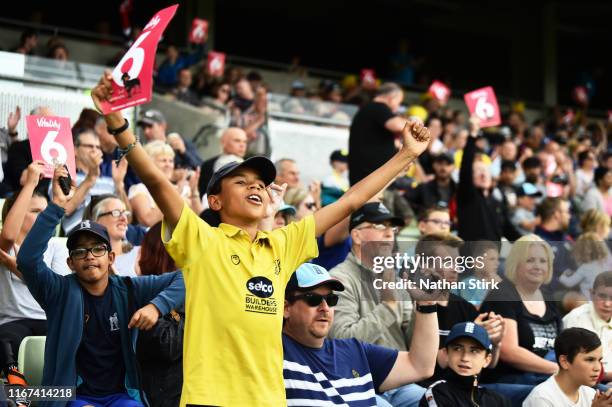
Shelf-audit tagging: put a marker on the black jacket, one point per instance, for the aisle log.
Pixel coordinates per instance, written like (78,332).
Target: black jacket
(461,391)
(427,195)
(480,217)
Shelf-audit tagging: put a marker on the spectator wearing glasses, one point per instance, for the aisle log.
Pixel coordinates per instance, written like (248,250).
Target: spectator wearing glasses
(381,317)
(596,316)
(89,180)
(110,212)
(435,221)
(362,368)
(302,200)
(92,323)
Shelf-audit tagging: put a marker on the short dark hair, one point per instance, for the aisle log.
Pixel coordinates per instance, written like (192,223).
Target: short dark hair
(8,204)
(531,162)
(571,341)
(600,173)
(508,165)
(428,242)
(582,157)
(548,207)
(603,280)
(425,214)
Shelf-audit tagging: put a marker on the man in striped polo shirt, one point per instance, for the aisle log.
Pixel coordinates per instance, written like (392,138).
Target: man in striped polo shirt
(344,371)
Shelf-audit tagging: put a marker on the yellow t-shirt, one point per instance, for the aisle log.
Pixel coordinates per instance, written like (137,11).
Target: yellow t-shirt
(235,292)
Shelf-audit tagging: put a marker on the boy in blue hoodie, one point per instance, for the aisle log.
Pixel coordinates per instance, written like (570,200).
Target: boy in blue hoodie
(91,338)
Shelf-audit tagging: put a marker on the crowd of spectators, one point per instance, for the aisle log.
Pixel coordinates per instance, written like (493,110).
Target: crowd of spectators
(532,199)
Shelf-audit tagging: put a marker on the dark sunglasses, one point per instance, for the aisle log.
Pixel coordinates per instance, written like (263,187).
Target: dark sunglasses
(314,300)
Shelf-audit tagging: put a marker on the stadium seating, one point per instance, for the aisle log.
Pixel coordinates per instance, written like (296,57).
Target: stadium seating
(31,358)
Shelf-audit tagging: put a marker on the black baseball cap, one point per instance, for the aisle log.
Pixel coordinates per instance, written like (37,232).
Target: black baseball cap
(374,212)
(444,157)
(339,155)
(90,227)
(263,166)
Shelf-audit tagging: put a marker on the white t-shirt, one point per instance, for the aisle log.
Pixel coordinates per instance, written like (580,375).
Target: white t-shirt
(16,302)
(126,263)
(549,394)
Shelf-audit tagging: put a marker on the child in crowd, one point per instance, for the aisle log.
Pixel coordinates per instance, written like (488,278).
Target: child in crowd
(235,274)
(489,252)
(468,347)
(524,218)
(591,253)
(596,316)
(579,358)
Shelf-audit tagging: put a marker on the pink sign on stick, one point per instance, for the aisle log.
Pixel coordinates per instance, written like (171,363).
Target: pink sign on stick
(51,141)
(133,76)
(483,104)
(216,63)
(199,29)
(439,91)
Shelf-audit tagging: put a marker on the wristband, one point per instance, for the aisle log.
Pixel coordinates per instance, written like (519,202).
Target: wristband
(13,133)
(122,152)
(427,309)
(119,130)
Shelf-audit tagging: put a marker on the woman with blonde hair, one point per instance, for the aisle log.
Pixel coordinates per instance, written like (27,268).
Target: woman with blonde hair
(598,222)
(532,321)
(302,200)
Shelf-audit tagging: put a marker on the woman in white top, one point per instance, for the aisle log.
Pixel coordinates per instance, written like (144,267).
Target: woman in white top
(591,253)
(110,212)
(145,210)
(20,314)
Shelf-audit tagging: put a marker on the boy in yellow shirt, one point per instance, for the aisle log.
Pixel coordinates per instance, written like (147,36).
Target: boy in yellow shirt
(235,274)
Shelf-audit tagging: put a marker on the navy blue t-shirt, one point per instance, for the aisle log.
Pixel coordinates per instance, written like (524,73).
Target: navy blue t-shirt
(330,257)
(99,360)
(343,370)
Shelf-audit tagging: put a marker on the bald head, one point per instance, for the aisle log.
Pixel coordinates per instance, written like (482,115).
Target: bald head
(234,141)
(42,111)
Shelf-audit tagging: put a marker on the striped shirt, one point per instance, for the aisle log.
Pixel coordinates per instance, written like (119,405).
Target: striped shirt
(344,372)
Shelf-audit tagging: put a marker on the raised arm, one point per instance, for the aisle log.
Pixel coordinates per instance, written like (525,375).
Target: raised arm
(416,137)
(420,362)
(165,195)
(44,284)
(14,218)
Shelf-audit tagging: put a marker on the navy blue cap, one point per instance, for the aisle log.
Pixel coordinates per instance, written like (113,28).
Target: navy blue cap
(374,212)
(264,167)
(87,226)
(470,330)
(309,276)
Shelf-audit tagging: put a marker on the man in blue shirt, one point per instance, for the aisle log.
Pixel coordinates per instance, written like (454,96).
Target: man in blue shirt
(344,371)
(90,338)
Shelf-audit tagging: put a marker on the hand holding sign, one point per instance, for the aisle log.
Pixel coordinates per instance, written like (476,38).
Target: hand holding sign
(132,78)
(199,31)
(51,141)
(216,63)
(439,91)
(483,104)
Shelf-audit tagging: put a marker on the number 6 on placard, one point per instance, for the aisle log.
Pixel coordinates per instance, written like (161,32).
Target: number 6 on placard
(484,109)
(137,54)
(48,145)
